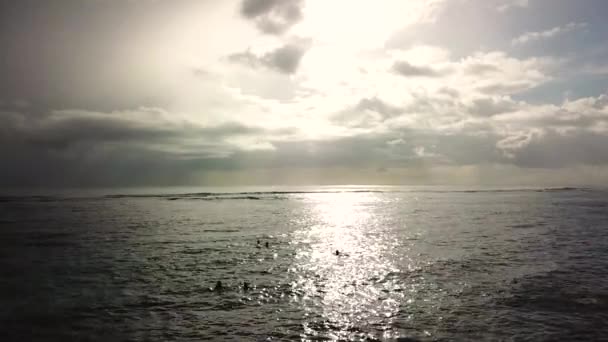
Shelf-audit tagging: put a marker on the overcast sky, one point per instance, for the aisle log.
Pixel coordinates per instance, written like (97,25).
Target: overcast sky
(205,92)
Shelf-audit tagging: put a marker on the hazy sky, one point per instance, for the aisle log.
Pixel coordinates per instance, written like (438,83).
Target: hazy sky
(168,92)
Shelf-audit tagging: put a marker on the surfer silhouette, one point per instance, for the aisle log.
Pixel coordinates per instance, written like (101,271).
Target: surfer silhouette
(218,286)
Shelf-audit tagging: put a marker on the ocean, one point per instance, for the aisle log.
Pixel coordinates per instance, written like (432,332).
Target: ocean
(341,263)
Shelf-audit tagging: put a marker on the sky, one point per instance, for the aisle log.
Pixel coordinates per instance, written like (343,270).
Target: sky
(286,92)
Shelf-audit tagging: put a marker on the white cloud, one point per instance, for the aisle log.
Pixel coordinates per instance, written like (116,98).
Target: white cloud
(535,36)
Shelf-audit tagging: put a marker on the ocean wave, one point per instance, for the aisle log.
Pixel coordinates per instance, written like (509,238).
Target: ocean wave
(275,195)
(35,198)
(237,195)
(268,194)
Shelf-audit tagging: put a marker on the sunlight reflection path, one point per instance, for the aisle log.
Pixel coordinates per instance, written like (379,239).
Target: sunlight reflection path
(349,295)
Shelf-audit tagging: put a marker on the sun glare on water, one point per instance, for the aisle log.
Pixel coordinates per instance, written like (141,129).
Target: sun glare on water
(346,273)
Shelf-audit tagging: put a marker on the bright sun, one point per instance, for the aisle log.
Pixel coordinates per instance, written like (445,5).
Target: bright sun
(360,24)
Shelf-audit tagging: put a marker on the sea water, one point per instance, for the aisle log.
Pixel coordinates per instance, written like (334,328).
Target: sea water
(342,263)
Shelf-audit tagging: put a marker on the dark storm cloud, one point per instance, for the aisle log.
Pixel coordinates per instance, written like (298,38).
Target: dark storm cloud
(406,69)
(63,130)
(272,16)
(129,165)
(285,59)
(80,148)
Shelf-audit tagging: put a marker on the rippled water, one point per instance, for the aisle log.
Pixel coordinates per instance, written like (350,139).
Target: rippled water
(414,264)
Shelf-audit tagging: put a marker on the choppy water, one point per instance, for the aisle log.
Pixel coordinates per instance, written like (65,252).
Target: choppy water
(415,264)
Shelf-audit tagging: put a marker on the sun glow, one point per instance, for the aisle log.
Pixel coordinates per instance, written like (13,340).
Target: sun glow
(355,24)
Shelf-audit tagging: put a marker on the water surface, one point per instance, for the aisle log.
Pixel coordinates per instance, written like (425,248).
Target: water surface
(428,264)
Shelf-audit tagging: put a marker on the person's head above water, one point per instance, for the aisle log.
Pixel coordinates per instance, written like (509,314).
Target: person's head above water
(218,285)
(337,252)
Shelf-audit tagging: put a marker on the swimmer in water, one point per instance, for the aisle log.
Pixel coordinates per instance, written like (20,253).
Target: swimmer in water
(337,252)
(245,286)
(258,245)
(218,286)
(266,244)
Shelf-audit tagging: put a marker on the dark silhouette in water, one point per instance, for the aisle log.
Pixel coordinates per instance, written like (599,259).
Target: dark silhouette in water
(337,252)
(245,286)
(258,244)
(218,286)
(266,244)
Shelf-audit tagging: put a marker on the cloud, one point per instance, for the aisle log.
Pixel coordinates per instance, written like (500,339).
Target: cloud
(400,148)
(512,4)
(481,68)
(490,106)
(552,149)
(148,128)
(272,16)
(129,100)
(406,69)
(555,136)
(497,73)
(150,146)
(139,146)
(517,141)
(377,105)
(367,113)
(464,129)
(285,59)
(536,36)
(585,114)
(247,58)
